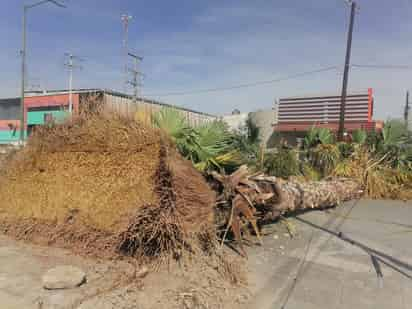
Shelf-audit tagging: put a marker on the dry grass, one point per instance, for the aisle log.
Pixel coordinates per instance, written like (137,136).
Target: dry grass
(377,178)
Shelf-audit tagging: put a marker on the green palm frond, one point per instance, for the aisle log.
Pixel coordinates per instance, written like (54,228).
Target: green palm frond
(175,125)
(317,136)
(394,133)
(283,163)
(216,148)
(324,158)
(359,136)
(209,146)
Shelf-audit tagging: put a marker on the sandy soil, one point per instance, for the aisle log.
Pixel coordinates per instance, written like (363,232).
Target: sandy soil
(110,283)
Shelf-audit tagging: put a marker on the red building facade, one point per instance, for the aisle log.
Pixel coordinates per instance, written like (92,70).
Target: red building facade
(299,114)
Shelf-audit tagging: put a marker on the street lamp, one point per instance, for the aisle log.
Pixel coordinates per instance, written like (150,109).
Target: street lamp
(23,61)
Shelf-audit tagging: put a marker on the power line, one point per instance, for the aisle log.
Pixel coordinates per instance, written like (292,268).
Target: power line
(383,66)
(246,85)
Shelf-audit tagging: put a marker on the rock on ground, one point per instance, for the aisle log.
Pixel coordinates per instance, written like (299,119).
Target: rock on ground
(63,277)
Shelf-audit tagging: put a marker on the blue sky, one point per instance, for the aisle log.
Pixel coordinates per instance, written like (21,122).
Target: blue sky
(191,45)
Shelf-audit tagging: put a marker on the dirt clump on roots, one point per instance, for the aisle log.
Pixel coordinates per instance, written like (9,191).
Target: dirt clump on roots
(107,186)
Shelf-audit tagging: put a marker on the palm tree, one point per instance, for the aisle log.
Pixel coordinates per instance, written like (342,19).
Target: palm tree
(316,136)
(209,146)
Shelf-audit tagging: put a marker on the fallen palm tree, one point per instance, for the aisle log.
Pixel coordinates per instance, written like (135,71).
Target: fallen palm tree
(106,185)
(255,196)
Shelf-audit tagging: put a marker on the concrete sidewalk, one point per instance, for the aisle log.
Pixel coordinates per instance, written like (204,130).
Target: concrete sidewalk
(336,273)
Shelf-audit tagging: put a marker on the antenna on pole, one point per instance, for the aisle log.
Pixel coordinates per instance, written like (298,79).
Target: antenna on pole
(71,66)
(126,20)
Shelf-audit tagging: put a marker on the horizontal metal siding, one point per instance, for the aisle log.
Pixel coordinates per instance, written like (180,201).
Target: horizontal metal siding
(323,109)
(37,117)
(304,126)
(10,136)
(127,107)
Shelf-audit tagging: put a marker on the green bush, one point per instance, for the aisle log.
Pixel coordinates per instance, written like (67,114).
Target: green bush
(324,158)
(359,136)
(283,163)
(316,136)
(345,149)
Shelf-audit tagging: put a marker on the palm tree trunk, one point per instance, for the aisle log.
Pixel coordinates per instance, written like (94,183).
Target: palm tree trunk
(293,196)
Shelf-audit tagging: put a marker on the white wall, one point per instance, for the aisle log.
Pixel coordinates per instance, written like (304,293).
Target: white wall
(235,121)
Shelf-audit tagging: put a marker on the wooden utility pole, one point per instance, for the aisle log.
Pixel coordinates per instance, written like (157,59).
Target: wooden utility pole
(346,71)
(407,108)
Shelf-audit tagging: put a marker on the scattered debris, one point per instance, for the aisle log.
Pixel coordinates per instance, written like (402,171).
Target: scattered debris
(290,228)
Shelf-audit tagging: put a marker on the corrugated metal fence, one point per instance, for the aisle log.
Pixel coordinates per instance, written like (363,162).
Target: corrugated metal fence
(144,109)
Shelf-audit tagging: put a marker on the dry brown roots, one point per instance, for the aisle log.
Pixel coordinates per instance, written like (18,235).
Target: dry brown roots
(107,186)
(179,223)
(253,197)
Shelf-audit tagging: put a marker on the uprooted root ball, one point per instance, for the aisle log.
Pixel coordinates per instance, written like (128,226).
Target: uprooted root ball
(106,185)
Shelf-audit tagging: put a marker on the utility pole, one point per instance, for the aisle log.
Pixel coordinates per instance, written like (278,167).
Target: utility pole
(407,108)
(71,66)
(23,76)
(346,71)
(23,60)
(126,20)
(135,82)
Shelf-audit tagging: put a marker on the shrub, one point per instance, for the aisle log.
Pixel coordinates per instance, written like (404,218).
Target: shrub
(310,173)
(345,149)
(283,163)
(324,158)
(359,136)
(316,136)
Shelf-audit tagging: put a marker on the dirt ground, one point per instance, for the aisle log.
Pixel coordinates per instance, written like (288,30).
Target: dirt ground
(5,151)
(110,284)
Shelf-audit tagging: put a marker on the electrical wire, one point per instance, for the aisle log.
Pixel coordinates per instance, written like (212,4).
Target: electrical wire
(272,81)
(245,85)
(383,66)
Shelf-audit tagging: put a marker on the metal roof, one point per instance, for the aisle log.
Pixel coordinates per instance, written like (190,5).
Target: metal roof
(114,93)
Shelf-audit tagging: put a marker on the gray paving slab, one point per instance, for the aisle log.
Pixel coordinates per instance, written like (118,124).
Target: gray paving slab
(339,274)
